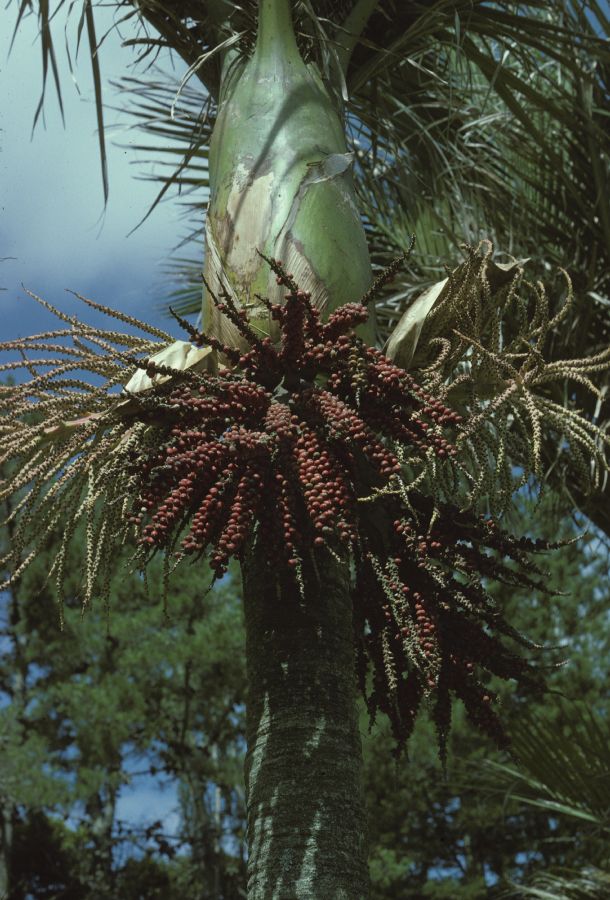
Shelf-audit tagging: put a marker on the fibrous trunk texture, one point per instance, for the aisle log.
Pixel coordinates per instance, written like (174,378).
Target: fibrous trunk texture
(303,767)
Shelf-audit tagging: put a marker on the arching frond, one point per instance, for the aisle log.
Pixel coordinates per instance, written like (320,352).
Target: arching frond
(466,119)
(564,770)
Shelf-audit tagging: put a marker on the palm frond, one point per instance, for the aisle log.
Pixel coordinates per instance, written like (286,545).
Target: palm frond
(467,120)
(564,763)
(177,125)
(564,770)
(589,883)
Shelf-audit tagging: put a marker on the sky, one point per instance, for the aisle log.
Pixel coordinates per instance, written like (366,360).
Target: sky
(52,218)
(57,235)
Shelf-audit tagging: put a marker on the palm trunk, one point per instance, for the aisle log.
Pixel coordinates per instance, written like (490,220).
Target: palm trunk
(303,766)
(280,183)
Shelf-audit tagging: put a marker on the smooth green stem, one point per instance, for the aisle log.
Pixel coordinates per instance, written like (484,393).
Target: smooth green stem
(349,33)
(275,28)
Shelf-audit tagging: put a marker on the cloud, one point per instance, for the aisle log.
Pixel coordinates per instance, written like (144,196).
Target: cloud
(146,801)
(52,220)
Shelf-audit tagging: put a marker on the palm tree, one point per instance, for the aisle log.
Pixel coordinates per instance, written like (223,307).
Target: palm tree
(564,770)
(451,129)
(465,121)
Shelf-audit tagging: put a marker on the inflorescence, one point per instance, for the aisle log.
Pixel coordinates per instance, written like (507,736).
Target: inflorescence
(315,445)
(307,443)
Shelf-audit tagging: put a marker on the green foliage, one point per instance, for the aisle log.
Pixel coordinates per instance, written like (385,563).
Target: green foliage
(466,835)
(113,693)
(430,836)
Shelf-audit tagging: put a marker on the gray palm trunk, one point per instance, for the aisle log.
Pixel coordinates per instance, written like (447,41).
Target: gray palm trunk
(280,182)
(306,830)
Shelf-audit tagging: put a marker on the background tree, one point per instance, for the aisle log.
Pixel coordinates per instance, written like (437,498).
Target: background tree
(429,835)
(107,698)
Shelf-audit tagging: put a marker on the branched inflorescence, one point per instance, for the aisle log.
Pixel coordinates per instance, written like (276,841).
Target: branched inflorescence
(307,427)
(316,445)
(309,441)
(486,348)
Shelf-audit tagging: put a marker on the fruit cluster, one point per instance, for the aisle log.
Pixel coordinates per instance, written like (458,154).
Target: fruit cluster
(426,606)
(307,440)
(286,429)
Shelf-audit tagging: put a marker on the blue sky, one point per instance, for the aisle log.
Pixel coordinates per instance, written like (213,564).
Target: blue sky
(52,218)
(54,226)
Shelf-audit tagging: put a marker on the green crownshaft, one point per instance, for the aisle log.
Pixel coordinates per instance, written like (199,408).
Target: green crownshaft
(281,183)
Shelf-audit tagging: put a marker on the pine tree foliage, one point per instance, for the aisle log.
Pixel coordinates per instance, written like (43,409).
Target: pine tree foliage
(419,823)
(111,704)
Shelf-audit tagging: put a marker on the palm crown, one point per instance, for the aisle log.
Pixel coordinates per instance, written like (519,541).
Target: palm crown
(464,120)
